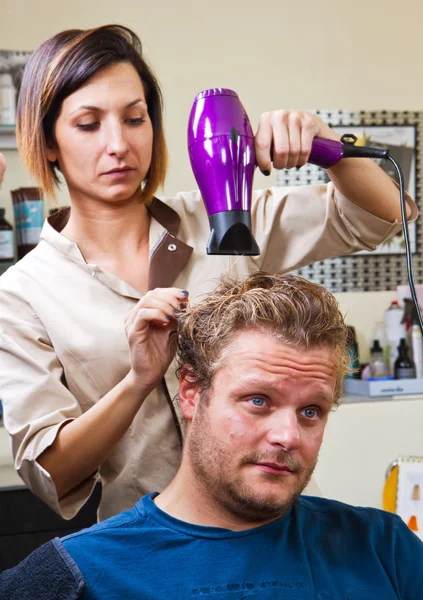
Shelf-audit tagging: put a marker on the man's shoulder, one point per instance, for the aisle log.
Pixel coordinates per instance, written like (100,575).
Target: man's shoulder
(340,512)
(127,520)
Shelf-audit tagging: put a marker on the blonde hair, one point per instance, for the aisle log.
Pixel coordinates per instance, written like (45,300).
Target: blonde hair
(297,312)
(58,68)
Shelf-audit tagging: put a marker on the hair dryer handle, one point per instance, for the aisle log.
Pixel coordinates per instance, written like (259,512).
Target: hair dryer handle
(325,153)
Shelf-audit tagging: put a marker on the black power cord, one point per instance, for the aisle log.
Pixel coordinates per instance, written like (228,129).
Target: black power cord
(407,239)
(350,150)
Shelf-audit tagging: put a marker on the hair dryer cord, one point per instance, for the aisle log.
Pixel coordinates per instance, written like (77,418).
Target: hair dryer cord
(407,239)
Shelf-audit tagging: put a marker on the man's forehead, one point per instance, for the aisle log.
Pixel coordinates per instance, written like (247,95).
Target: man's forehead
(256,346)
(260,357)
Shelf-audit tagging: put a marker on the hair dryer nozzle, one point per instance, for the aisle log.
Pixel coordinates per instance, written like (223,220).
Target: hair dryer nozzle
(231,234)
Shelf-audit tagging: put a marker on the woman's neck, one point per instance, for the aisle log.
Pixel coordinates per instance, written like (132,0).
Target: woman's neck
(108,231)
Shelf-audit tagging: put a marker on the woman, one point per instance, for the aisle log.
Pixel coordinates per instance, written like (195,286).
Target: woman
(110,271)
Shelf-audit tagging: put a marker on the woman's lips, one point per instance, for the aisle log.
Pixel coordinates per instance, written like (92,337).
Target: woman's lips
(119,173)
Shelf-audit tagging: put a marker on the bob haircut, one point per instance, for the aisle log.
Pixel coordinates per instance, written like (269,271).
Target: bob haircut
(58,68)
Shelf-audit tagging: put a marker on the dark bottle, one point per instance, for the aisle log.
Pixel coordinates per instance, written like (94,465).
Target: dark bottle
(404,367)
(7,241)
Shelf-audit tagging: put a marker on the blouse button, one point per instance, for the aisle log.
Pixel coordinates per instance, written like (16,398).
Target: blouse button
(171,247)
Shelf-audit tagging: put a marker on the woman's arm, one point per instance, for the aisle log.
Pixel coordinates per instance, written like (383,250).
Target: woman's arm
(84,443)
(286,137)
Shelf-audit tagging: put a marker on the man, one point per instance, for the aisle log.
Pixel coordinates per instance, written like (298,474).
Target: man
(261,365)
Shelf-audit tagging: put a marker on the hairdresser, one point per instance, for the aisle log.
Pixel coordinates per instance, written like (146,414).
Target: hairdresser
(87,316)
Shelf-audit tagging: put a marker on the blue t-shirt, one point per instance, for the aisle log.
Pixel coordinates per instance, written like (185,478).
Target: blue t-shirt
(320,549)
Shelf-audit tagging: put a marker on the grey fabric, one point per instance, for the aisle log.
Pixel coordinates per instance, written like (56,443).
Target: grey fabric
(48,573)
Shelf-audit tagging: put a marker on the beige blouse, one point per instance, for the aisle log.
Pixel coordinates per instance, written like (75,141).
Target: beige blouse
(62,338)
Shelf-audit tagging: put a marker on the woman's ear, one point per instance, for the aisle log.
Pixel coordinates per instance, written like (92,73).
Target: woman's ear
(51,153)
(189,393)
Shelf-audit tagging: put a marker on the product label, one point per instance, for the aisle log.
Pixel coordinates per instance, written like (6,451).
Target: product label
(31,221)
(7,247)
(405,373)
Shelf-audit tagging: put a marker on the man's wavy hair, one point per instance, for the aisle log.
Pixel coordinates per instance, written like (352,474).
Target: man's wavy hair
(59,67)
(295,311)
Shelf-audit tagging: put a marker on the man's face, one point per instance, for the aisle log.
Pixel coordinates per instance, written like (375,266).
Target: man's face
(253,442)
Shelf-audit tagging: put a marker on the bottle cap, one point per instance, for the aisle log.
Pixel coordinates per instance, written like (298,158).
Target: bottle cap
(376,347)
(402,344)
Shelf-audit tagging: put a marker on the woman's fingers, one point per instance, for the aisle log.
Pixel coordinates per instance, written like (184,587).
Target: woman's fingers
(263,144)
(284,138)
(147,316)
(165,300)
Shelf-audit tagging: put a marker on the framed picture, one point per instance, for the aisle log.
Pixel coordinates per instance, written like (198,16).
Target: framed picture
(385,268)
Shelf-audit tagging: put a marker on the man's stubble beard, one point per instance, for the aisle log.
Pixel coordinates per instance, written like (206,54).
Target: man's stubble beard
(208,460)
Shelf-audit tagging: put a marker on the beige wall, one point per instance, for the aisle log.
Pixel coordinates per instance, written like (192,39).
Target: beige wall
(314,53)
(317,53)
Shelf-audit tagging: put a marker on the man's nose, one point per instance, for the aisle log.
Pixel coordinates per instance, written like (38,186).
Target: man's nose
(116,141)
(284,430)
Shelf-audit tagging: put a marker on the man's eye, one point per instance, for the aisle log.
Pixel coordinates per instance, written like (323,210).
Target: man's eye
(258,401)
(310,412)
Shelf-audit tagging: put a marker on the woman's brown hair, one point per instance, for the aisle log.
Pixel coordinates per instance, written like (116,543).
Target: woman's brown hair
(58,68)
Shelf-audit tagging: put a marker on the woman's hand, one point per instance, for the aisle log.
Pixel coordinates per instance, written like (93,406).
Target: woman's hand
(284,137)
(3,167)
(150,328)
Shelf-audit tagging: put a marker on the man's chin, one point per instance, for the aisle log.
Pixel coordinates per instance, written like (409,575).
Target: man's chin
(262,504)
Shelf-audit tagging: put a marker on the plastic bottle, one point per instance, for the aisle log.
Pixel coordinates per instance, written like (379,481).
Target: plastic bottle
(412,336)
(7,240)
(417,345)
(31,218)
(378,368)
(404,367)
(394,331)
(7,100)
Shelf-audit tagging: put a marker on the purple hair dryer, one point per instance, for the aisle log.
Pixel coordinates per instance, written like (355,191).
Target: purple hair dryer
(221,151)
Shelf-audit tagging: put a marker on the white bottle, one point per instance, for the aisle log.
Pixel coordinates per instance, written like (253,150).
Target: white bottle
(394,330)
(7,100)
(417,344)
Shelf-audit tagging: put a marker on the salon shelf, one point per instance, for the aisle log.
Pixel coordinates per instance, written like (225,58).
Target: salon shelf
(7,137)
(358,399)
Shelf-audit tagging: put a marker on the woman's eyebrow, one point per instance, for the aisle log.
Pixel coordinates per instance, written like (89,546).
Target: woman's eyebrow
(98,109)
(136,102)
